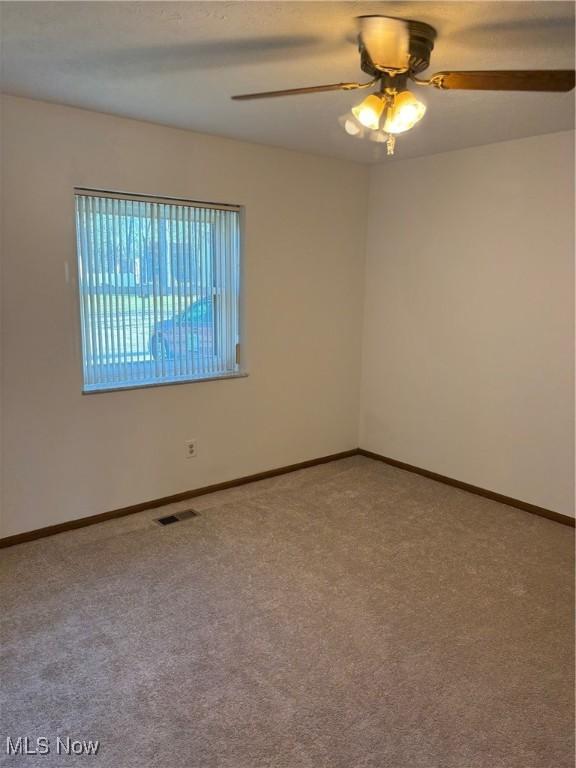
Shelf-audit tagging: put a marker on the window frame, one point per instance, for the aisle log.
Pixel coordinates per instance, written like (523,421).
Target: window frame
(167,200)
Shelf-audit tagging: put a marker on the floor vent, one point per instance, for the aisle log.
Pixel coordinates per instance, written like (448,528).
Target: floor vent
(184,515)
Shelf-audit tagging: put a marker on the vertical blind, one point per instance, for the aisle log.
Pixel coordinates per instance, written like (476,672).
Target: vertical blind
(159,290)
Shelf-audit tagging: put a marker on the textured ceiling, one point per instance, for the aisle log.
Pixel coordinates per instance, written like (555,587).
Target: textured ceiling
(178,63)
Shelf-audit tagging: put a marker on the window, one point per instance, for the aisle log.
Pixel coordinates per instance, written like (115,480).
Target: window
(159,290)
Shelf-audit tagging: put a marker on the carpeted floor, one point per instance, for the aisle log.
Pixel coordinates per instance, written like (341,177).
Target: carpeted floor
(351,615)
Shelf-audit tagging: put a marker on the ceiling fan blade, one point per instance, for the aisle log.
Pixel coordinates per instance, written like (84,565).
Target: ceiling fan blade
(506,80)
(298,91)
(386,41)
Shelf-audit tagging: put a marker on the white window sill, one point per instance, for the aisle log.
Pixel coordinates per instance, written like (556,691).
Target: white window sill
(148,385)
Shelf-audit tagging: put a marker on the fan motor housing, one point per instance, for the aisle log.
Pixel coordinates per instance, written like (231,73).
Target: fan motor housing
(422,38)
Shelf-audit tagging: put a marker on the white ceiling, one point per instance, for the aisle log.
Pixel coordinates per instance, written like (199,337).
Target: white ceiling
(178,63)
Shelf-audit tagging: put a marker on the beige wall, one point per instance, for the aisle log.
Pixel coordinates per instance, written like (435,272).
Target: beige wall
(68,455)
(468,356)
(467,350)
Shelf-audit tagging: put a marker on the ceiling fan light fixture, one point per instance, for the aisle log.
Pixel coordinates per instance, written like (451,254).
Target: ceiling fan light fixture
(394,51)
(369,111)
(404,113)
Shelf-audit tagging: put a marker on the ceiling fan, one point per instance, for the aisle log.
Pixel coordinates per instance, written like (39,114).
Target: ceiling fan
(394,51)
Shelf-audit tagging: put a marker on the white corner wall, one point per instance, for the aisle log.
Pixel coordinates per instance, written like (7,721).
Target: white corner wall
(66,455)
(468,353)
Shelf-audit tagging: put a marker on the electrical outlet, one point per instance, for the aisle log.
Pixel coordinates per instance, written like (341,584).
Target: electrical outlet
(191,449)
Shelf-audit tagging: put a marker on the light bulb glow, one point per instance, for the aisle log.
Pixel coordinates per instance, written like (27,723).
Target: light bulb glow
(404,113)
(378,136)
(351,125)
(351,128)
(370,111)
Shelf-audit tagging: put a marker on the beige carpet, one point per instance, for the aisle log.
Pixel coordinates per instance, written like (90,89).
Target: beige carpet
(346,616)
